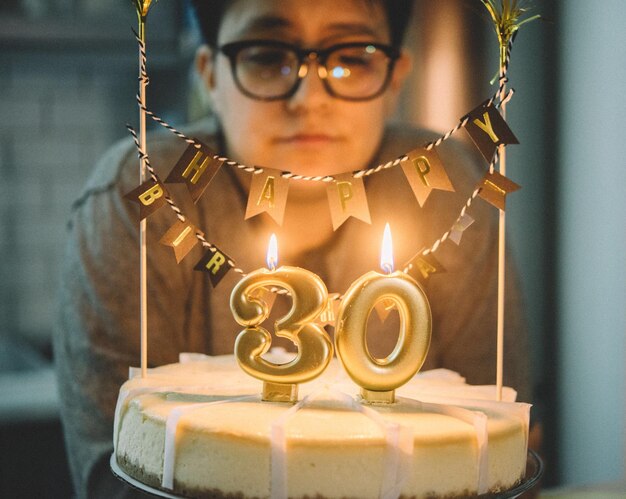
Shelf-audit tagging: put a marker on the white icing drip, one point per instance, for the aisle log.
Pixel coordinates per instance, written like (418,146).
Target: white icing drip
(122,403)
(400,445)
(520,410)
(397,459)
(476,419)
(278,449)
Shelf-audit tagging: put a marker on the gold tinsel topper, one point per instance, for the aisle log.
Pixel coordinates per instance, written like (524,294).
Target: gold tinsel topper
(142,7)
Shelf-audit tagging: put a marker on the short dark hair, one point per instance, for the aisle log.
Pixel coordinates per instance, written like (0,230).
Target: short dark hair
(209,14)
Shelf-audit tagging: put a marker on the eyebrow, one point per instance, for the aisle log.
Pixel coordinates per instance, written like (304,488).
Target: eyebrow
(268,22)
(352,29)
(264,23)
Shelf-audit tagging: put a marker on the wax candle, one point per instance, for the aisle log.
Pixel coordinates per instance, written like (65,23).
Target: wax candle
(378,378)
(315,349)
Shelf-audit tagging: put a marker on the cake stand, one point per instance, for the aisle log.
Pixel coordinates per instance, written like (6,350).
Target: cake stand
(534,470)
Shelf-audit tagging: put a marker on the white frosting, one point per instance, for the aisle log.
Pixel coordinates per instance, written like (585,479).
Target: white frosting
(171,425)
(399,441)
(201,423)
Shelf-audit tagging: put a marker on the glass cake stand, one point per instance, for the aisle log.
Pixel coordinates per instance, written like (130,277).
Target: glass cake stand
(534,470)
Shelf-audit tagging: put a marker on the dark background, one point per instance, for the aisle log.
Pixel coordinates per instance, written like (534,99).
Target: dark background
(68,78)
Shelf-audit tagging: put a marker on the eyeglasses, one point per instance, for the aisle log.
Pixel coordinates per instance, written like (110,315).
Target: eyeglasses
(272,70)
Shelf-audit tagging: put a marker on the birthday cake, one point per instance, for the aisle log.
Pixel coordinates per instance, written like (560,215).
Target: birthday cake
(199,428)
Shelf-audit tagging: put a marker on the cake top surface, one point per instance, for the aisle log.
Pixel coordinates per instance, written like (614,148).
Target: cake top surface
(214,392)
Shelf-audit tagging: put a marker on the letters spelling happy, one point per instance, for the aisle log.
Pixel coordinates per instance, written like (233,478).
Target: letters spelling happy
(195,168)
(346,198)
(488,130)
(268,194)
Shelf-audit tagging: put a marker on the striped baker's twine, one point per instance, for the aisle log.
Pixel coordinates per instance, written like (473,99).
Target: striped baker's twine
(179,214)
(501,96)
(435,246)
(366,172)
(505,68)
(178,133)
(143,75)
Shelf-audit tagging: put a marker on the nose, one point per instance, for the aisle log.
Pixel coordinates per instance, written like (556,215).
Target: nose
(311,92)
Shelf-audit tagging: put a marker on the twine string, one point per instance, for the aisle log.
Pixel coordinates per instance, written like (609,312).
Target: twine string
(498,99)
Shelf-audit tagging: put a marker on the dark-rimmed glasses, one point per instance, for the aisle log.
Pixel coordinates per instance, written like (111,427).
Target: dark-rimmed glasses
(271,70)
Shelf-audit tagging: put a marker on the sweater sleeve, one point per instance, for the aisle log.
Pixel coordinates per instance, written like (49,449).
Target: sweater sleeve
(97,329)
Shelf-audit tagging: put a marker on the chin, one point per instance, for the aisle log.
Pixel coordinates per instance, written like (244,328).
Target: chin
(316,163)
(314,169)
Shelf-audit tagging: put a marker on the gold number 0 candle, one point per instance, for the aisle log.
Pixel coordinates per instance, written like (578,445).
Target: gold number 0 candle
(315,349)
(378,378)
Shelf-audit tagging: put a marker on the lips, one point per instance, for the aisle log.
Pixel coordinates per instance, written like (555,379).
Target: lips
(308,138)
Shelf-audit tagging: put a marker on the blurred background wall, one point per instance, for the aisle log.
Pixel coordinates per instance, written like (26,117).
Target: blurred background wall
(68,73)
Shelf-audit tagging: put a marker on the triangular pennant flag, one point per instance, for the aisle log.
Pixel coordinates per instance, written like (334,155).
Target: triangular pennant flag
(268,193)
(425,172)
(346,197)
(195,168)
(495,187)
(329,313)
(488,130)
(462,223)
(383,308)
(150,196)
(216,263)
(181,237)
(265,295)
(421,266)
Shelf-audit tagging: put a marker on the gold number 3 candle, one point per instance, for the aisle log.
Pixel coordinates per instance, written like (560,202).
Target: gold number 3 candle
(378,378)
(315,349)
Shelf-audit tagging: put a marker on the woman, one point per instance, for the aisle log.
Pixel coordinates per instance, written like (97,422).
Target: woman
(300,86)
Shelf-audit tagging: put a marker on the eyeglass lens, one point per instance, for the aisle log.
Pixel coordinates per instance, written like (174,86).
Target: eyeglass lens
(352,72)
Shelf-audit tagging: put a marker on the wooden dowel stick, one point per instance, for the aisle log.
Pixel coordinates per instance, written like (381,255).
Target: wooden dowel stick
(501,281)
(501,266)
(143,254)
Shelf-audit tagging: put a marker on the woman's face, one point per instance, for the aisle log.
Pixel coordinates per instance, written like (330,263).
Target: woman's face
(310,133)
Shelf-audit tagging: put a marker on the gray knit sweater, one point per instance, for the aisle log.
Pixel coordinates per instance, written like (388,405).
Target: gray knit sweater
(97,329)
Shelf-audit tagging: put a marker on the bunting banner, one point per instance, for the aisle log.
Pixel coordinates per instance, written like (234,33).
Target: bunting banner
(462,223)
(181,237)
(195,168)
(425,171)
(265,296)
(268,194)
(422,266)
(383,308)
(346,198)
(329,314)
(487,129)
(495,187)
(216,264)
(150,196)
(422,167)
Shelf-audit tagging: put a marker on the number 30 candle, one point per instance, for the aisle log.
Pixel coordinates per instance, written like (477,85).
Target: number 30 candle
(378,378)
(315,349)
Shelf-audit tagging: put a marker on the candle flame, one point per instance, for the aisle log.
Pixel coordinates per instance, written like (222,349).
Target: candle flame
(272,253)
(386,252)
